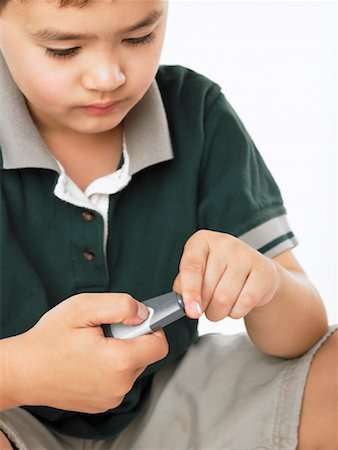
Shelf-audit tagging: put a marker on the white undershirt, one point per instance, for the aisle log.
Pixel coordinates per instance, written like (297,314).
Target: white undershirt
(96,195)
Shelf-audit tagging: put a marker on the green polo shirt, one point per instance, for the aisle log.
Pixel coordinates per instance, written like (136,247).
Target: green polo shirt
(193,166)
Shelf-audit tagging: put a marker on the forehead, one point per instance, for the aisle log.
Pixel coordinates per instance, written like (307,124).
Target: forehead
(62,3)
(82,13)
(78,3)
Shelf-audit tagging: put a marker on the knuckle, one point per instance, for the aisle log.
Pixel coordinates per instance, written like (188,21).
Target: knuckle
(176,285)
(215,313)
(227,239)
(224,300)
(125,387)
(117,401)
(212,315)
(161,348)
(99,406)
(129,305)
(128,298)
(165,349)
(191,265)
(235,315)
(249,300)
(74,305)
(119,391)
(128,385)
(202,233)
(79,302)
(75,300)
(98,410)
(82,297)
(197,236)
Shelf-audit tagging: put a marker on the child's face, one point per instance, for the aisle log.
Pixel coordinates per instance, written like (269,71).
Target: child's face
(61,75)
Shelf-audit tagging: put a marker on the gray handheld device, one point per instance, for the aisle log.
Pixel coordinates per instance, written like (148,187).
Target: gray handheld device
(163,310)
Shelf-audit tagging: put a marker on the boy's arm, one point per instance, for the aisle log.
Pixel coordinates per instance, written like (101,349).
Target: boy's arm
(295,318)
(222,276)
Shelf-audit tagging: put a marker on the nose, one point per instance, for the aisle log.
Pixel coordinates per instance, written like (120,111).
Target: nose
(104,76)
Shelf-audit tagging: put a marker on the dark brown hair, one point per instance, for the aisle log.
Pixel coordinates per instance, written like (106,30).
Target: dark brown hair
(78,3)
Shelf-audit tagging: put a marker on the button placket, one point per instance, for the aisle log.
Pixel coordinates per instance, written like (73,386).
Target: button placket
(88,216)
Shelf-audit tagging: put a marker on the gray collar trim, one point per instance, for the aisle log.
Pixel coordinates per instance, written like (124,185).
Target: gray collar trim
(146,131)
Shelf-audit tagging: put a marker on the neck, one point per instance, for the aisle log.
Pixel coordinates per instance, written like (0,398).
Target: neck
(87,157)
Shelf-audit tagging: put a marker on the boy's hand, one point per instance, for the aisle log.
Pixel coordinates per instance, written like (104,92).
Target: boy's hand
(66,362)
(222,276)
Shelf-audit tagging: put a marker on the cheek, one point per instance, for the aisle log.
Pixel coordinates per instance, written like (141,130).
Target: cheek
(145,71)
(41,85)
(47,89)
(44,88)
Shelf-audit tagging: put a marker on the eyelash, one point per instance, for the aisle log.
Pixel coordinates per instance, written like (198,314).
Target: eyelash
(141,41)
(69,52)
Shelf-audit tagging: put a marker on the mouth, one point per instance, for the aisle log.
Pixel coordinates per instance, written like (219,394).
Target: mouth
(100,108)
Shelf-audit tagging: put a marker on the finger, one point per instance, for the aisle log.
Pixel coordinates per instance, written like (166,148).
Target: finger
(88,310)
(143,350)
(192,267)
(252,293)
(205,296)
(215,269)
(227,292)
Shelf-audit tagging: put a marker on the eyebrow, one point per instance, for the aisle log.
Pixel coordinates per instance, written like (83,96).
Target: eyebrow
(55,35)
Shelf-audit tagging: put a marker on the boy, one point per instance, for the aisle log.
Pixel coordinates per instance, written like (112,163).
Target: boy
(112,167)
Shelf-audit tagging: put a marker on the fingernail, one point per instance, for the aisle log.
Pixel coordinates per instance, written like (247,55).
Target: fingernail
(195,307)
(142,311)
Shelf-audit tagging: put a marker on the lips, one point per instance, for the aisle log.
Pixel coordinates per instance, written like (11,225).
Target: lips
(100,108)
(102,105)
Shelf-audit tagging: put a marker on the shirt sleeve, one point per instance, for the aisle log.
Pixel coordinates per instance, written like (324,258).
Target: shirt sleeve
(238,194)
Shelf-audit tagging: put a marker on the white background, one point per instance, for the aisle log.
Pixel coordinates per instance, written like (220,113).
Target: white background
(276,63)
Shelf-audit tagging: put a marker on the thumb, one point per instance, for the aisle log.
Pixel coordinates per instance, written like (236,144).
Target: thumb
(90,310)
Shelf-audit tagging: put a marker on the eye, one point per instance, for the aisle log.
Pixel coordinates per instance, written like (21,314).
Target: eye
(141,40)
(62,53)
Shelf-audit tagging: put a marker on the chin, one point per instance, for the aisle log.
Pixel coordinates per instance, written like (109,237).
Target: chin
(96,129)
(101,125)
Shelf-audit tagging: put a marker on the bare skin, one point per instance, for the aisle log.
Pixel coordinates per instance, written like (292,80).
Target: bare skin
(81,163)
(319,423)
(4,442)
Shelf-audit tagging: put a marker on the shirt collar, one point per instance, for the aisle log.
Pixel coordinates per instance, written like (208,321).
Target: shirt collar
(23,147)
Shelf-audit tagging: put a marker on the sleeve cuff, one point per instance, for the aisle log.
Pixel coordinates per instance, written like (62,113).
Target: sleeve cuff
(272,237)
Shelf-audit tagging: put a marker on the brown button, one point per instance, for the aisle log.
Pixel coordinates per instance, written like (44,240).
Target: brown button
(88,255)
(88,216)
